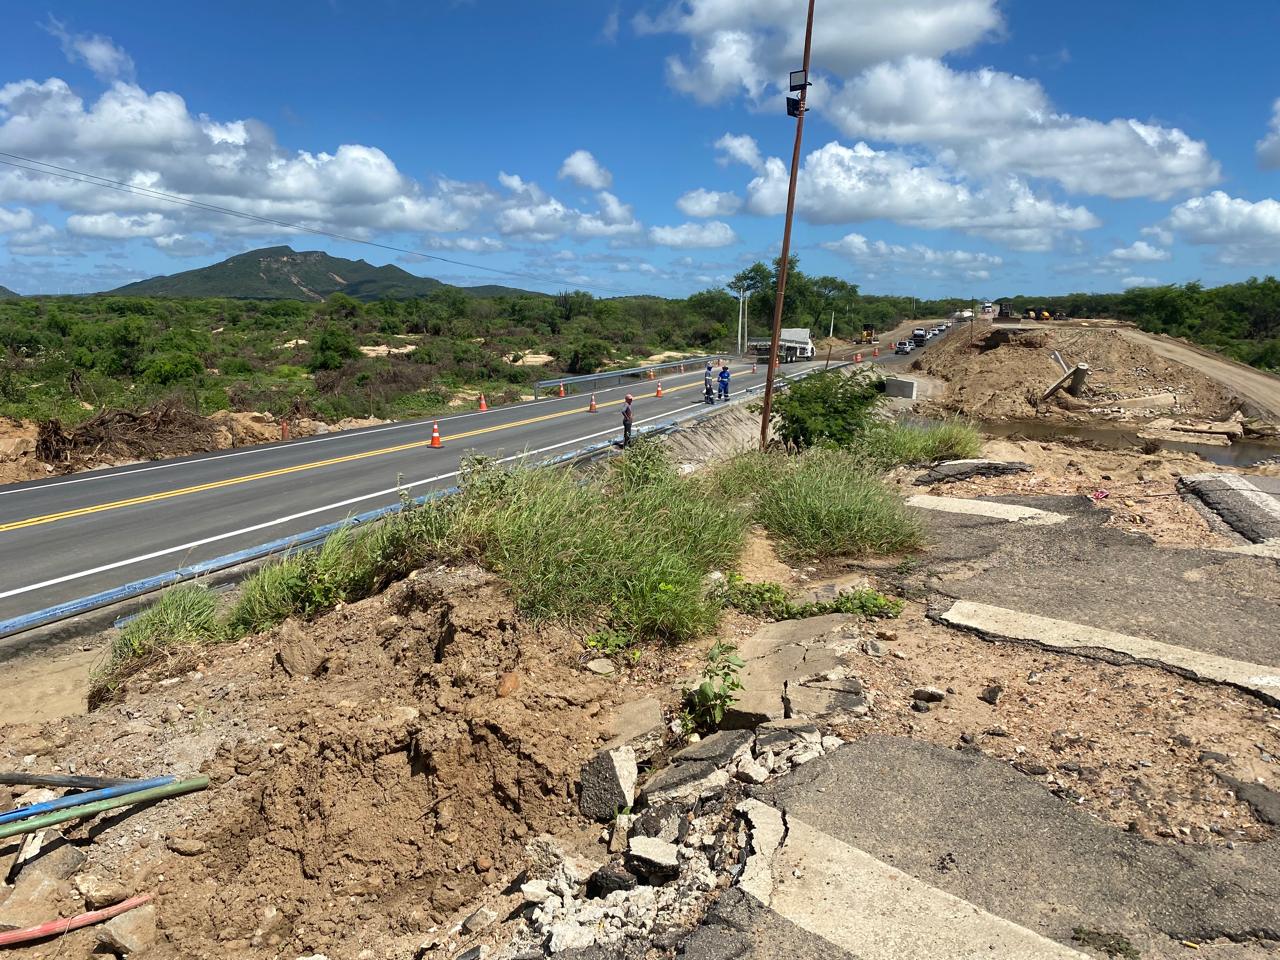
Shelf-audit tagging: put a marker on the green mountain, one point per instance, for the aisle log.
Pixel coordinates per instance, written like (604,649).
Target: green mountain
(282,273)
(6,293)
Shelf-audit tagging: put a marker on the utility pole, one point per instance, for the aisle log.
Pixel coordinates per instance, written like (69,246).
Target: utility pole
(802,85)
(832,331)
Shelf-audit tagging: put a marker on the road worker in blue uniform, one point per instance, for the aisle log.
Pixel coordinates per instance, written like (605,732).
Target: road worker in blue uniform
(708,384)
(724,382)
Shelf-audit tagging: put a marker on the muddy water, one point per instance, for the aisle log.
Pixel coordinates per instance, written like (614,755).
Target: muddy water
(1243,453)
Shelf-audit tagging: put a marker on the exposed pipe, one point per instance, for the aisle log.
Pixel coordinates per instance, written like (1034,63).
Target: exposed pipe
(60,780)
(54,927)
(106,793)
(99,806)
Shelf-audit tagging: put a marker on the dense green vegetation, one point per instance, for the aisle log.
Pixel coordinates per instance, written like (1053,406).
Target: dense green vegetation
(1241,320)
(64,356)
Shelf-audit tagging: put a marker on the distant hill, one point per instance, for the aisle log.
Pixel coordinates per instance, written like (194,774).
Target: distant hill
(6,293)
(282,273)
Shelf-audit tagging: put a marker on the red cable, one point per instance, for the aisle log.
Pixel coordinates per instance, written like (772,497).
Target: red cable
(54,927)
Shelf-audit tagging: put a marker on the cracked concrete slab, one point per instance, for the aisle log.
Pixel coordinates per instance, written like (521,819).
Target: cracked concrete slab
(1217,603)
(974,827)
(1052,634)
(877,912)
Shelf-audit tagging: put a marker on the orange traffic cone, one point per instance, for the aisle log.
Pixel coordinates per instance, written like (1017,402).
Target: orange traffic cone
(562,388)
(592,408)
(435,434)
(483,406)
(875,351)
(659,391)
(857,358)
(753,368)
(650,374)
(682,368)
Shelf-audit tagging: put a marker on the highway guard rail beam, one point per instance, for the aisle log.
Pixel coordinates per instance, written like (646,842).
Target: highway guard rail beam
(637,373)
(311,539)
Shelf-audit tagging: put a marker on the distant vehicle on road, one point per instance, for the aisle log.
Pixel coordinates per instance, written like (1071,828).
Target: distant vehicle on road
(904,347)
(793,344)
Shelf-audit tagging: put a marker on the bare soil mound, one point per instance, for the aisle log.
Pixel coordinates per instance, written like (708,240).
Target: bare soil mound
(1003,373)
(369,775)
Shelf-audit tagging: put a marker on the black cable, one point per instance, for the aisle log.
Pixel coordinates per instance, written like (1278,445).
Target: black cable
(92,179)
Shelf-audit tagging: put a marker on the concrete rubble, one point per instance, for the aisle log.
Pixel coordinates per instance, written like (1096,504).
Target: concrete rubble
(694,829)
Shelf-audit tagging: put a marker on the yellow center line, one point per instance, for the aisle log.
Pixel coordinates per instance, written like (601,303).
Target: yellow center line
(299,468)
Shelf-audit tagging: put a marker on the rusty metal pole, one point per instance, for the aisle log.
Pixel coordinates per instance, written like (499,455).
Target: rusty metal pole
(767,410)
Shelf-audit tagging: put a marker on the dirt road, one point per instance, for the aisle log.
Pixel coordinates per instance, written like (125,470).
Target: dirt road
(1262,390)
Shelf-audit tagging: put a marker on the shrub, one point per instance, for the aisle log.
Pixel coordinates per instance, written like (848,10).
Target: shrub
(708,702)
(168,368)
(828,408)
(333,347)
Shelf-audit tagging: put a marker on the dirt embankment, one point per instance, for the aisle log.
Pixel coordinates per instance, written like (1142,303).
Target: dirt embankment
(1004,373)
(371,773)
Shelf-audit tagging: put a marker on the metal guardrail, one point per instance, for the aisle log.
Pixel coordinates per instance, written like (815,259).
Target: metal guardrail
(311,539)
(638,373)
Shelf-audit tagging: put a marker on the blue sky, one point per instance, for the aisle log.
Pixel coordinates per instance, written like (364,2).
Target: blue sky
(966,147)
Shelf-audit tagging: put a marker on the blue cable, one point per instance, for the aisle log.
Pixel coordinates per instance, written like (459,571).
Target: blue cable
(106,793)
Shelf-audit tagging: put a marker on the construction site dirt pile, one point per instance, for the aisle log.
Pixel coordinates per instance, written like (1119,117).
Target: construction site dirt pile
(371,773)
(995,373)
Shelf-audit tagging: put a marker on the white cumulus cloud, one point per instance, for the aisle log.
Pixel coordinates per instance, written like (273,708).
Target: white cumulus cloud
(107,60)
(1141,252)
(115,226)
(1269,146)
(991,122)
(709,203)
(714,233)
(747,46)
(1140,282)
(583,169)
(1243,231)
(915,258)
(840,184)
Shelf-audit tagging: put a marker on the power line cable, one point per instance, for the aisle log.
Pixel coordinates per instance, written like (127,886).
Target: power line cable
(79,176)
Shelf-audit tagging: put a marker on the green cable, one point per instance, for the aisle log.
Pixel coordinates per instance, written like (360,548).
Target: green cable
(98,806)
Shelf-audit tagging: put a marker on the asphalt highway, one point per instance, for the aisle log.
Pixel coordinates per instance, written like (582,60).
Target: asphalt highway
(70,537)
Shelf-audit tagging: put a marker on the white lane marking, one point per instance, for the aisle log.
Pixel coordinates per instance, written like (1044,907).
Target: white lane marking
(1013,513)
(877,912)
(1065,635)
(106,474)
(116,565)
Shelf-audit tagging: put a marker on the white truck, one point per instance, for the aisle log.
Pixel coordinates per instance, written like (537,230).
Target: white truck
(794,344)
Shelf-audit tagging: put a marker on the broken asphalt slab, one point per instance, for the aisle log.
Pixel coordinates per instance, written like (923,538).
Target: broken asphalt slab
(1248,505)
(1083,572)
(973,827)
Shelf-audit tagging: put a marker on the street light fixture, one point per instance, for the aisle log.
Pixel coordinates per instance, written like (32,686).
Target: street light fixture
(799,80)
